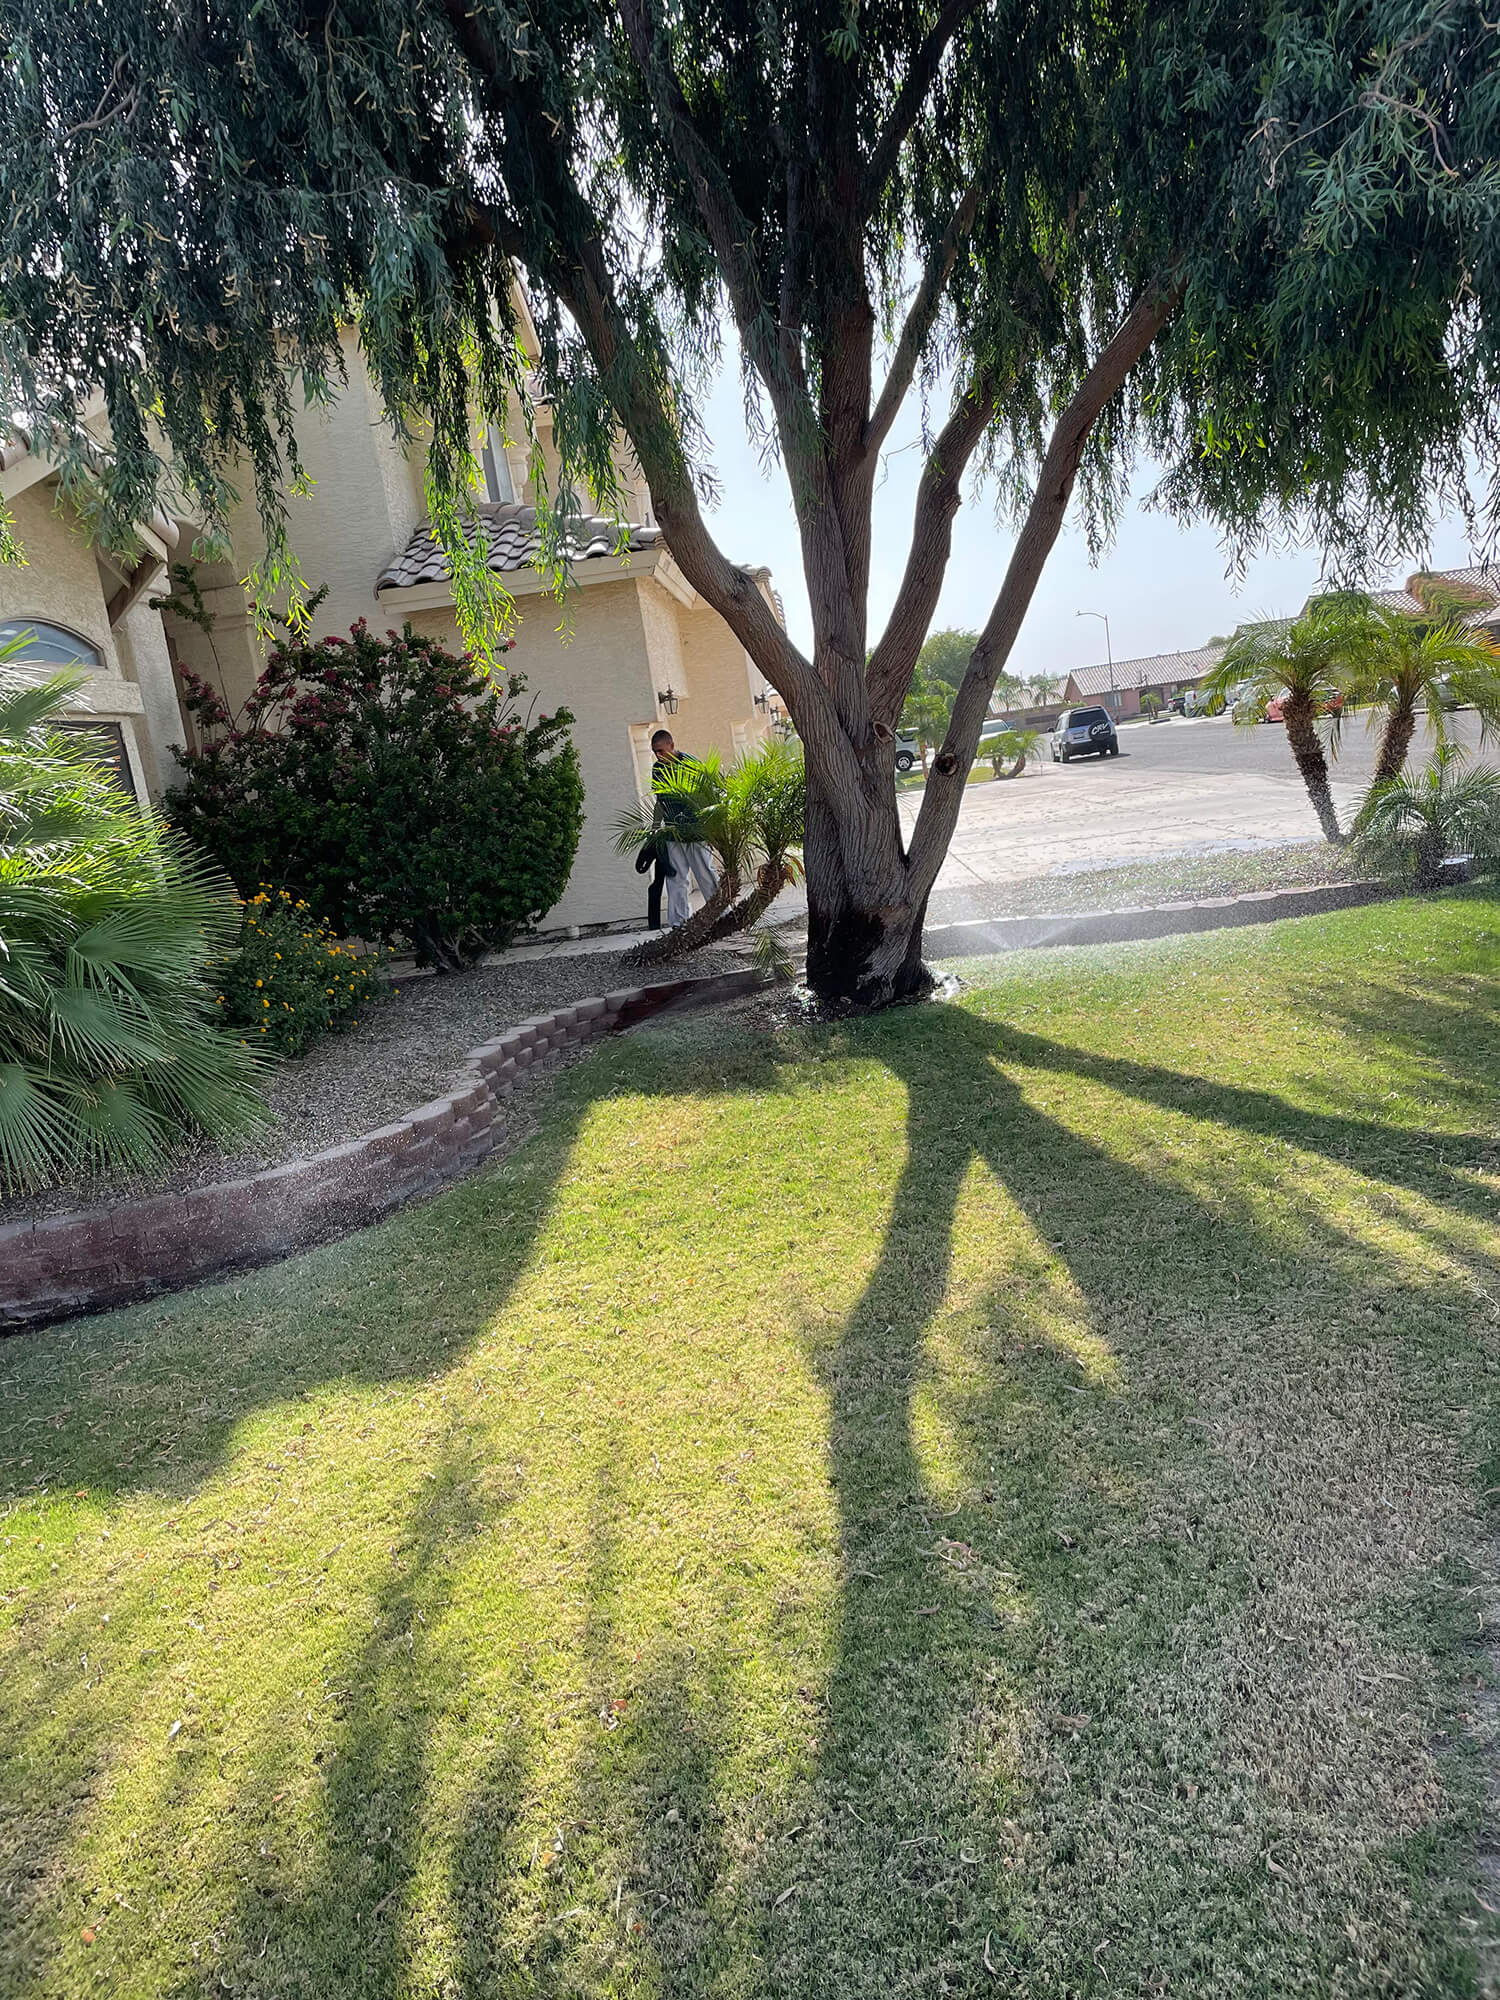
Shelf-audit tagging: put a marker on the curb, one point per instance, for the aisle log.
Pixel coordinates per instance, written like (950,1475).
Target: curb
(95,1259)
(1157,920)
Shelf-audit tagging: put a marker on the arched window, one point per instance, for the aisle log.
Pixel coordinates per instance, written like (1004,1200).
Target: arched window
(47,645)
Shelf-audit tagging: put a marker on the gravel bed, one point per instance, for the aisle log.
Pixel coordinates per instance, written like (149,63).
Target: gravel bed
(406,1051)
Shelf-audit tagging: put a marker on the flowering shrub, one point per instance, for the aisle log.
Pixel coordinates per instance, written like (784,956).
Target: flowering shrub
(290,980)
(392,786)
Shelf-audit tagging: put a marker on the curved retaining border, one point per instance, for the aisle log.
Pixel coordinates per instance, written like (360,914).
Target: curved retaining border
(102,1257)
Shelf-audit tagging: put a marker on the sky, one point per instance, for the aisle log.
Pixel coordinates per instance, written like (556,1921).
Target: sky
(1163,588)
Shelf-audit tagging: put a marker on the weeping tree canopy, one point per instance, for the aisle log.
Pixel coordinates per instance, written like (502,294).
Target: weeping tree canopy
(1253,239)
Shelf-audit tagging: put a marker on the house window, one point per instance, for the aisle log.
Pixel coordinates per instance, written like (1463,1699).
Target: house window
(44,645)
(106,742)
(497,481)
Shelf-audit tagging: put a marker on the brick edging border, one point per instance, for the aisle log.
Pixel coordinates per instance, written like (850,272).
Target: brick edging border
(93,1259)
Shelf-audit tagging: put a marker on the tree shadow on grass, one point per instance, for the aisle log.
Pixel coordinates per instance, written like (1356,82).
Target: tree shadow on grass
(993,1616)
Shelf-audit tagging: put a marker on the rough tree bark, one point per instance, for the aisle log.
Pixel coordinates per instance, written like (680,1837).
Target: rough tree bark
(1299,715)
(1396,738)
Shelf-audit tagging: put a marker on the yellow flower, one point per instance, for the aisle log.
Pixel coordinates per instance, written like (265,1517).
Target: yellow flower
(264,1003)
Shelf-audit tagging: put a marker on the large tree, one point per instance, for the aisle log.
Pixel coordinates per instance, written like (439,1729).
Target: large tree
(1255,239)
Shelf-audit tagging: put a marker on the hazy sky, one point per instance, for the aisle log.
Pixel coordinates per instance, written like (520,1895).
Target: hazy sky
(1163,588)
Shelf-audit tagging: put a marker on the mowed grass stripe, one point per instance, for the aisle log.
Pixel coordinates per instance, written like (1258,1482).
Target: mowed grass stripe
(989,1498)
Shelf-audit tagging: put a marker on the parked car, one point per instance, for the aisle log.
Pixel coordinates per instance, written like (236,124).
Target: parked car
(1193,701)
(909,753)
(1083,732)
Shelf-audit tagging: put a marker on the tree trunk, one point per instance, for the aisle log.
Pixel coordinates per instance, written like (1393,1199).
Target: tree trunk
(1395,741)
(864,926)
(770,880)
(1300,716)
(689,936)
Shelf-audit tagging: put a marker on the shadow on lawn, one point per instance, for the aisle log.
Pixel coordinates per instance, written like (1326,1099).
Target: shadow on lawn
(900,1878)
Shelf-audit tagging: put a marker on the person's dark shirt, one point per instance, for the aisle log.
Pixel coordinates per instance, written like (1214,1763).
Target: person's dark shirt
(673,811)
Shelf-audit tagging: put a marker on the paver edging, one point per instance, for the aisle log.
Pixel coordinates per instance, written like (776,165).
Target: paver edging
(95,1258)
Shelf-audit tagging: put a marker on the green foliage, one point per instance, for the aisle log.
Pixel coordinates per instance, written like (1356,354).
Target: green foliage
(1399,667)
(1151,703)
(926,712)
(1306,657)
(752,816)
(109,1051)
(392,785)
(945,656)
(1012,750)
(290,980)
(1408,826)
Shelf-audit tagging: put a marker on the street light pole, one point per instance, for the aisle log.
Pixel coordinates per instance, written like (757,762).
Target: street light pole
(1109,652)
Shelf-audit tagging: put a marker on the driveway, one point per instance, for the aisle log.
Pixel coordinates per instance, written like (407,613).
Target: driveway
(1180,787)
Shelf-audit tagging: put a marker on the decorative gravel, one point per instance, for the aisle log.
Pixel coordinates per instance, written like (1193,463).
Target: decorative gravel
(406,1051)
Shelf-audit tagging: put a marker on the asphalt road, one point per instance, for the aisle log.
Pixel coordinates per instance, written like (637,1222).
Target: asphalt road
(1179,787)
(1217,746)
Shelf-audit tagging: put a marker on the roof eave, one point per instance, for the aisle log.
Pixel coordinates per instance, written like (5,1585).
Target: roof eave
(526,581)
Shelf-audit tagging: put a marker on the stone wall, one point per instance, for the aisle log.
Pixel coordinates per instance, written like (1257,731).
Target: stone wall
(101,1257)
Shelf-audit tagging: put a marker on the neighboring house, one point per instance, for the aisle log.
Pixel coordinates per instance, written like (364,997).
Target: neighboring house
(1120,685)
(631,648)
(1468,597)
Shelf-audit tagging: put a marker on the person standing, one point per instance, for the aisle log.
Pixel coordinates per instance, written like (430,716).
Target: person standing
(685,855)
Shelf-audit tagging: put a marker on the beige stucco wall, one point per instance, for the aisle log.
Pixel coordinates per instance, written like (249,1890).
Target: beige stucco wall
(720,713)
(602,674)
(61,582)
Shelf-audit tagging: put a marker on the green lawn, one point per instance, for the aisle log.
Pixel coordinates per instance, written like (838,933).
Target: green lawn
(990,1500)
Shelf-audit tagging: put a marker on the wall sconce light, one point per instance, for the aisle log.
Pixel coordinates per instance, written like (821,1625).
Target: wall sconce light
(763,699)
(668,698)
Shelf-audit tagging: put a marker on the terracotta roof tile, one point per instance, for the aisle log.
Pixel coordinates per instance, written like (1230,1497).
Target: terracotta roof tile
(514,543)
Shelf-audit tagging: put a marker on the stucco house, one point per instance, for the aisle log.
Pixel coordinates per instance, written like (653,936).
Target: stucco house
(631,648)
(1119,685)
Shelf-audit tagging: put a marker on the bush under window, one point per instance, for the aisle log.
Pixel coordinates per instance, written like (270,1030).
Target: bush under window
(394,786)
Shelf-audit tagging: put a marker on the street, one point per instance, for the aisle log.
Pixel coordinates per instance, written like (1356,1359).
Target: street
(1177,787)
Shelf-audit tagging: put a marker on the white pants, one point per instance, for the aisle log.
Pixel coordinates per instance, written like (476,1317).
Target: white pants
(691,855)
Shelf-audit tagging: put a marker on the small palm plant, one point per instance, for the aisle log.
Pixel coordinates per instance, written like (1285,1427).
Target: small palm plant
(1408,826)
(109,1051)
(770,791)
(1012,750)
(750,817)
(1403,667)
(1305,664)
(926,714)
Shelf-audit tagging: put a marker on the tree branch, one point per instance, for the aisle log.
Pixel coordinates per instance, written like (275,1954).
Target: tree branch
(920,317)
(944,791)
(910,98)
(889,673)
(778,357)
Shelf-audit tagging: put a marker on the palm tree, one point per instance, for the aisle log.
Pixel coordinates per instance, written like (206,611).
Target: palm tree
(1045,689)
(928,708)
(109,1048)
(1407,826)
(698,807)
(1403,667)
(1014,748)
(771,791)
(1305,664)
